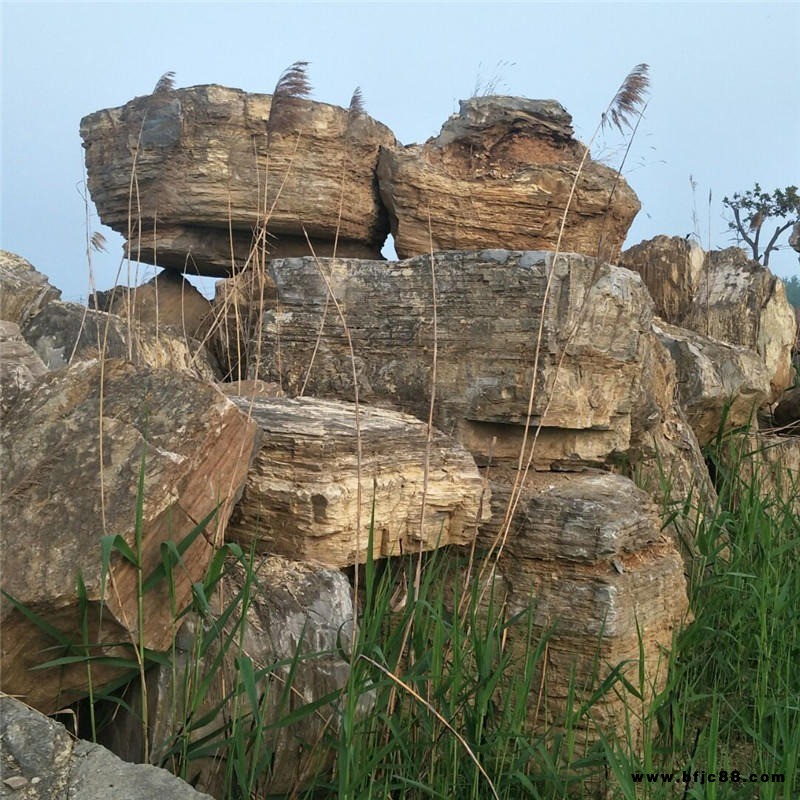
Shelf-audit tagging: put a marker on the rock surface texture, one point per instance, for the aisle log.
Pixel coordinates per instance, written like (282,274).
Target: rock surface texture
(25,292)
(187,442)
(302,493)
(292,609)
(588,550)
(19,365)
(42,761)
(489,305)
(724,295)
(203,158)
(720,385)
(167,300)
(499,175)
(64,333)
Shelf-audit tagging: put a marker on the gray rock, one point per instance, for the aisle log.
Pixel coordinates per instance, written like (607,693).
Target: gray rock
(19,364)
(41,761)
(64,333)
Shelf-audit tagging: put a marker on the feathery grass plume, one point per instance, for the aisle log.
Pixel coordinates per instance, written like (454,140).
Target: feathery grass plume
(98,242)
(166,83)
(292,85)
(356,104)
(628,99)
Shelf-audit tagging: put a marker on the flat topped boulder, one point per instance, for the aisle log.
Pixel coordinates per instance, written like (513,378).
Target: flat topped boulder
(302,494)
(209,171)
(499,175)
(489,306)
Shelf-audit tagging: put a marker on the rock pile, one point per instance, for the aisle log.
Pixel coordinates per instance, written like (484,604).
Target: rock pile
(551,377)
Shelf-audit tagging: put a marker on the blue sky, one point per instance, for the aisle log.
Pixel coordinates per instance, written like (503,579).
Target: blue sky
(724,103)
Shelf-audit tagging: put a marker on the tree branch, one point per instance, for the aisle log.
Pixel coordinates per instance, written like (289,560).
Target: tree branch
(742,232)
(771,246)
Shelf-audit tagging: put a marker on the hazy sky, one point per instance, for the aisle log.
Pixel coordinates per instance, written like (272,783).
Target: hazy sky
(724,103)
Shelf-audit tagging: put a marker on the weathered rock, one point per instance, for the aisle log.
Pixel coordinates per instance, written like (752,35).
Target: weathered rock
(24,292)
(166,300)
(302,494)
(489,305)
(665,458)
(794,237)
(19,364)
(750,309)
(768,462)
(202,158)
(190,446)
(298,617)
(41,761)
(238,307)
(64,333)
(726,296)
(588,553)
(787,411)
(499,175)
(720,385)
(249,389)
(672,269)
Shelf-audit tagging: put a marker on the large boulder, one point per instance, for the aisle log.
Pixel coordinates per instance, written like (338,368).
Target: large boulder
(720,385)
(500,174)
(606,586)
(187,443)
(665,458)
(319,459)
(42,761)
(488,314)
(24,292)
(208,173)
(294,623)
(722,294)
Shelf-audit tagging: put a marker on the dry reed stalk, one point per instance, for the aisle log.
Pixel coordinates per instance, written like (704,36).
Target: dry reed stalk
(355,108)
(359,452)
(628,100)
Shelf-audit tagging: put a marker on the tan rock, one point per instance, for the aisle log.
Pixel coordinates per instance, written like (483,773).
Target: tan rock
(588,553)
(726,296)
(499,175)
(24,292)
(302,494)
(488,310)
(167,300)
(202,162)
(672,269)
(60,498)
(721,386)
(769,463)
(665,458)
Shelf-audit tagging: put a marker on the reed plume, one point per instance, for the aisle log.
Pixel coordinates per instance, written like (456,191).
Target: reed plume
(628,100)
(356,106)
(293,85)
(166,83)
